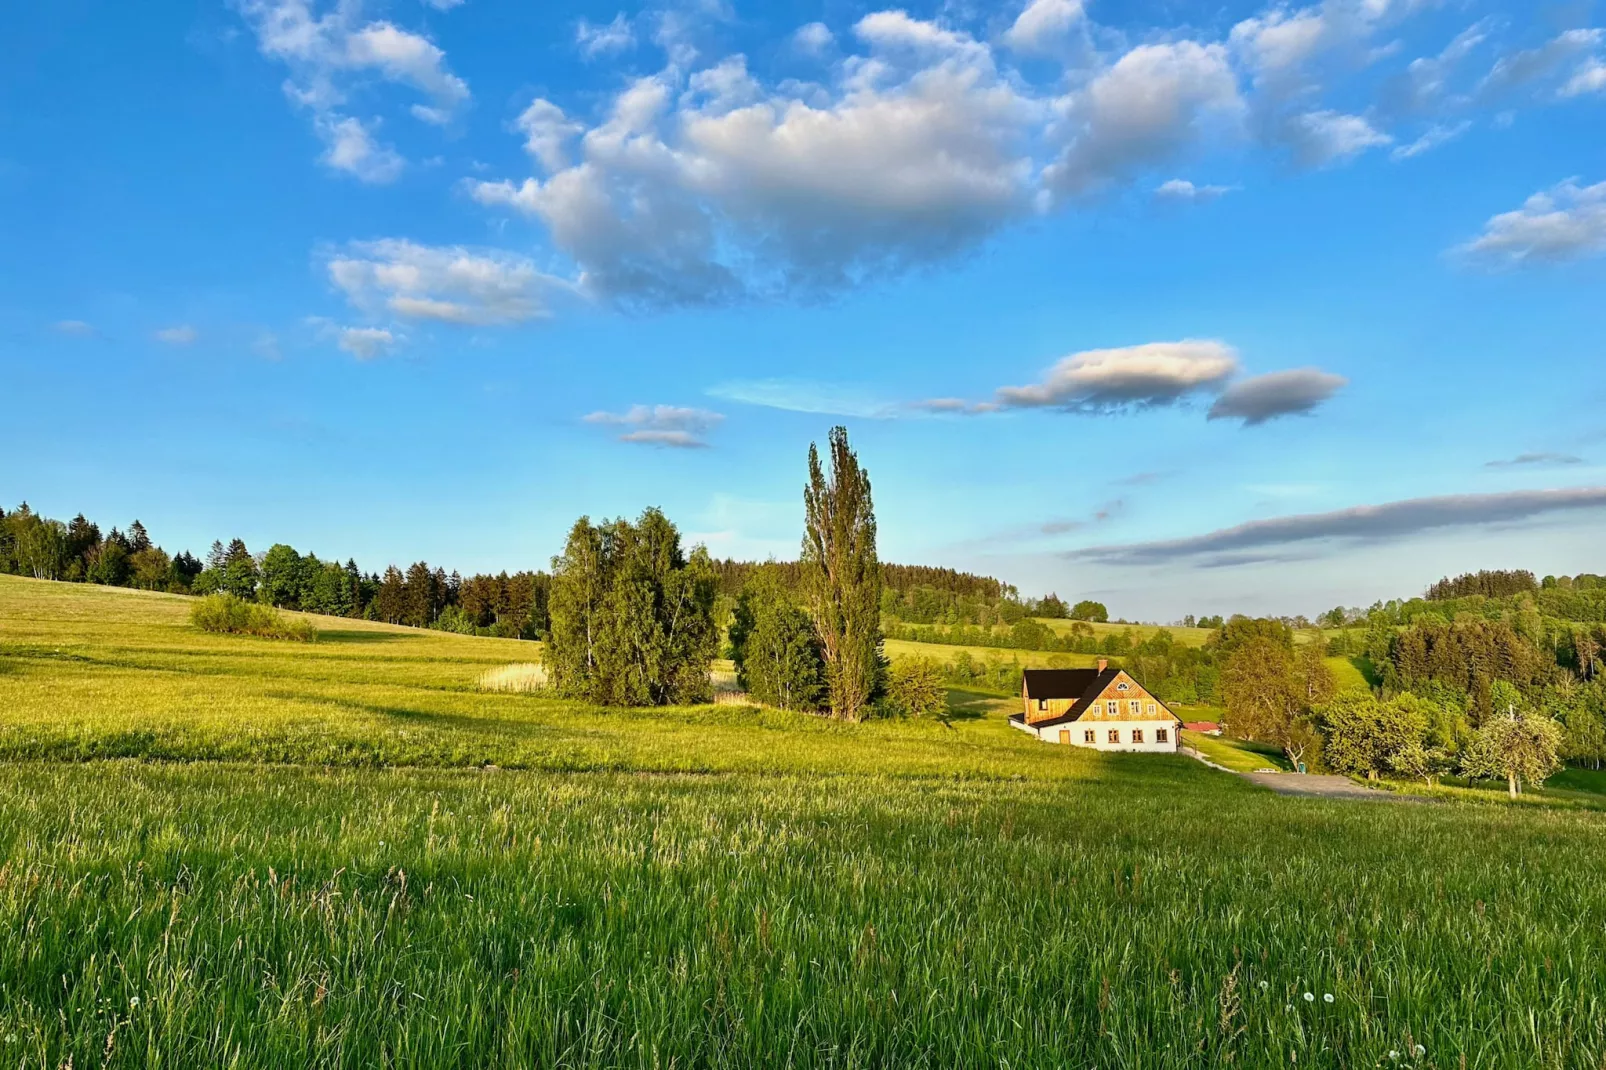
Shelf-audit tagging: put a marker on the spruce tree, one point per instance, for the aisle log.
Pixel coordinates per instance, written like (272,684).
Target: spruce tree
(843,576)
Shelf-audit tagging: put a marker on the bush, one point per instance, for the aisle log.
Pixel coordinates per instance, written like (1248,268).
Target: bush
(915,688)
(230,615)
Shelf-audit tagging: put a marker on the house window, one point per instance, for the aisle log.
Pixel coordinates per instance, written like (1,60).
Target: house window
(1137,735)
(1135,706)
(1088,737)
(1114,707)
(1120,687)
(1115,735)
(1162,736)
(1042,704)
(1151,714)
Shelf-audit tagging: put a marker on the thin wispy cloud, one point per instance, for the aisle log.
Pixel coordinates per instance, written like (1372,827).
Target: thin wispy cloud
(1535,459)
(802,395)
(1360,524)
(660,425)
(75,328)
(446,284)
(366,343)
(1181,191)
(179,335)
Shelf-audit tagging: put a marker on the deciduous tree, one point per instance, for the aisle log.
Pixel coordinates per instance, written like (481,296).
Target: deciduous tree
(843,576)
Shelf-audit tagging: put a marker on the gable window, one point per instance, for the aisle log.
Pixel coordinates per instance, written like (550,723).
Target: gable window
(1151,714)
(1120,687)
(1134,707)
(1114,707)
(1162,736)
(1088,737)
(1115,735)
(1137,735)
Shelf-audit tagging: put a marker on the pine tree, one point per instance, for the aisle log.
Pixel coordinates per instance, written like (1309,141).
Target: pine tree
(843,576)
(138,538)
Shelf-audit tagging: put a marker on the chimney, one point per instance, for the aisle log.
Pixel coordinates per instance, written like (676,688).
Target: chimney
(1104,663)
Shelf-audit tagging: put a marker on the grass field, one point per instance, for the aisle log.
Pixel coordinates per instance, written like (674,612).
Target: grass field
(708,887)
(1239,755)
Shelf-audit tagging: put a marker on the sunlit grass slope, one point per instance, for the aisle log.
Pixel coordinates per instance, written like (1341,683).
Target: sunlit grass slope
(712,887)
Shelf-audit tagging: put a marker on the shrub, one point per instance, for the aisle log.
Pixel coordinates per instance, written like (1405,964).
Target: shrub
(227,614)
(915,688)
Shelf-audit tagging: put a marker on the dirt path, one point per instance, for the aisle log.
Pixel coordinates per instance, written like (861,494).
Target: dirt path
(1326,787)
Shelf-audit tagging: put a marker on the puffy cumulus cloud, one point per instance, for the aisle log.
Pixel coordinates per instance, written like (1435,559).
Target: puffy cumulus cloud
(1389,521)
(328,52)
(1297,391)
(1045,26)
(1567,222)
(350,147)
(1323,138)
(449,284)
(714,187)
(1149,107)
(1141,376)
(813,38)
(1180,189)
(365,343)
(594,40)
(661,425)
(180,335)
(1589,78)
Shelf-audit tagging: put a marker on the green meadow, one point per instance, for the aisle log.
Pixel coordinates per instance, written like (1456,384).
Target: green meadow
(224,851)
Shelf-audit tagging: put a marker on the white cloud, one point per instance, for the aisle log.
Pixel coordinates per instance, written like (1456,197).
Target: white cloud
(443,5)
(1436,135)
(1566,222)
(813,38)
(731,190)
(1141,376)
(594,40)
(1044,25)
(1536,66)
(1425,85)
(366,343)
(351,148)
(449,284)
(331,53)
(76,328)
(1322,138)
(1145,110)
(1180,189)
(1590,78)
(1295,392)
(802,395)
(661,425)
(181,335)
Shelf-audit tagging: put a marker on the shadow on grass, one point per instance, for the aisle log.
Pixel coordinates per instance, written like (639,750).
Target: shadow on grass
(966,705)
(355,636)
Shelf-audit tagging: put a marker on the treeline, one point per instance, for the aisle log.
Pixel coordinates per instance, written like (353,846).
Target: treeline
(1487,583)
(33,545)
(732,576)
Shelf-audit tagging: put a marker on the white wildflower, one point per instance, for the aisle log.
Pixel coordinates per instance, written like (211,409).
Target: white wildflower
(1420,1051)
(1327,997)
(134,1001)
(1264,985)
(1394,1055)
(1309,998)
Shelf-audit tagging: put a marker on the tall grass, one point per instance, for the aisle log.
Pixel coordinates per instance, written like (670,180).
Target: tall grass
(521,677)
(782,891)
(228,614)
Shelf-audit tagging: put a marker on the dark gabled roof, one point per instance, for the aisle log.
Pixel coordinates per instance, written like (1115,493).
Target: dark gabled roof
(1057,683)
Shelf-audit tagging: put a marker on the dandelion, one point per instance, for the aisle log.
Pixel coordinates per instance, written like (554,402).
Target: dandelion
(1309,998)
(134,1002)
(1327,997)
(1264,985)
(1419,1051)
(1394,1055)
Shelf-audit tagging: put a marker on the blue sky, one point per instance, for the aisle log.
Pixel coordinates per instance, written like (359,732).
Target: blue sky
(1192,308)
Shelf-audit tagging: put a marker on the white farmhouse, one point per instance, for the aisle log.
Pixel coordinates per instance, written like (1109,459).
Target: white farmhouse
(1102,709)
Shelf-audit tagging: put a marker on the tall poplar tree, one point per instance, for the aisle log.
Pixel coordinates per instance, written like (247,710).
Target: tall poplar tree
(843,576)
